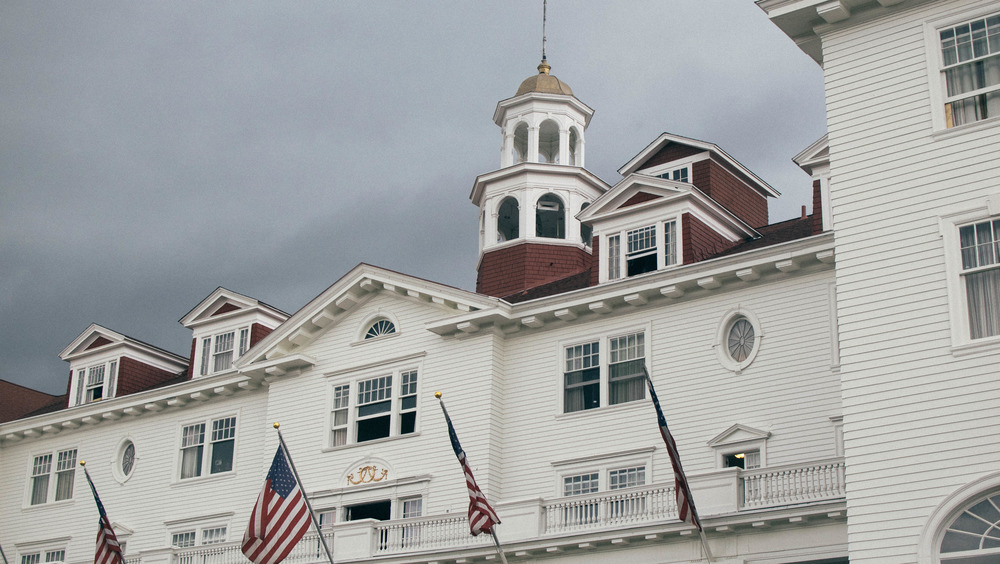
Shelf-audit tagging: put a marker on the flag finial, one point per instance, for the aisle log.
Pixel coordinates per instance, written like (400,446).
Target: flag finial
(276,425)
(437,395)
(83,463)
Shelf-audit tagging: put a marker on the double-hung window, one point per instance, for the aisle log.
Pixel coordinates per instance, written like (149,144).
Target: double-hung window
(646,249)
(383,406)
(42,471)
(96,382)
(220,351)
(625,371)
(221,435)
(980,248)
(970,69)
(590,381)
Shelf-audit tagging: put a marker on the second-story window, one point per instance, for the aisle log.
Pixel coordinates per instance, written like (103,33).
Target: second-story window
(42,476)
(383,406)
(970,54)
(980,248)
(590,381)
(221,446)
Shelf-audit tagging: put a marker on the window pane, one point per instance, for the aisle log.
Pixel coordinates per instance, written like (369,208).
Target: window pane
(627,478)
(374,428)
(222,456)
(30,558)
(206,351)
(182,540)
(39,489)
(191,462)
(579,485)
(374,390)
(339,437)
(983,296)
(224,429)
(614,257)
(55,556)
(213,536)
(641,239)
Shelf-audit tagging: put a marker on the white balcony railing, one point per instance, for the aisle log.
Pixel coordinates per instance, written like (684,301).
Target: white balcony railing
(307,550)
(788,485)
(619,508)
(425,533)
(717,493)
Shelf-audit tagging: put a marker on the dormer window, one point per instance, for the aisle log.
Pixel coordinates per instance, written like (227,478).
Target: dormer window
(96,382)
(681,174)
(645,250)
(218,352)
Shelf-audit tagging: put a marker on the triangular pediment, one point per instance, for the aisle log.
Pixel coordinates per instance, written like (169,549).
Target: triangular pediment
(223,303)
(94,338)
(635,191)
(283,350)
(738,433)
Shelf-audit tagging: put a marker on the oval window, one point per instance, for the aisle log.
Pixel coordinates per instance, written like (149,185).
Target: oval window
(128,459)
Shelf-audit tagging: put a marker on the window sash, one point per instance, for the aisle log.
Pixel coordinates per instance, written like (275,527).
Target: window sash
(223,444)
(614,257)
(222,358)
(627,478)
(669,243)
(641,242)
(214,535)
(55,555)
(33,558)
(192,450)
(182,540)
(581,484)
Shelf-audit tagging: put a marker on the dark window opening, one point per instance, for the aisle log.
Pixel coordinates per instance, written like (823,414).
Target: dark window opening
(508,221)
(640,265)
(378,510)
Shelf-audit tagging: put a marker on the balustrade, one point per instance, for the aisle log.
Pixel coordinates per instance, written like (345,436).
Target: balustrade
(787,485)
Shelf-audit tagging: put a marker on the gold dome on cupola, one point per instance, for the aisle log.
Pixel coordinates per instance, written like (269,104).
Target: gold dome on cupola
(544,82)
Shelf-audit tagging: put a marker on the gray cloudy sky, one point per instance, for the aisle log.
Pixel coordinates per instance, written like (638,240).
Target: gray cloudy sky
(153,151)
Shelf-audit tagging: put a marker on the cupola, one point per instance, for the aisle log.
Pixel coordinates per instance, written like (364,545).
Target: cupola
(529,233)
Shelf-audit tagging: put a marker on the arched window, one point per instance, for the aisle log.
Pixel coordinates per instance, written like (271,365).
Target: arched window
(548,142)
(586,231)
(550,217)
(973,536)
(574,147)
(379,328)
(508,220)
(520,143)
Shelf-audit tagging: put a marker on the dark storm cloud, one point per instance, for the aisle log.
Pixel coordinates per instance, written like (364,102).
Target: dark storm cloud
(151,152)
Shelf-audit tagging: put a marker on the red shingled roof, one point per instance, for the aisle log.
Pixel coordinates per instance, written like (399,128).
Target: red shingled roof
(16,401)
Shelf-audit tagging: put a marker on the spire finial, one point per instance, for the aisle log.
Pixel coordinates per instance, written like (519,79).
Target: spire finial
(544,10)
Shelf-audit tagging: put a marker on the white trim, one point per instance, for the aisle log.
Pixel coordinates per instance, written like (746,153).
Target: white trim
(948,509)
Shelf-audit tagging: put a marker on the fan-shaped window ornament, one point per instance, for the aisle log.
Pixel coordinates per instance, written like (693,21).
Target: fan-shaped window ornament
(380,328)
(740,340)
(974,535)
(128,459)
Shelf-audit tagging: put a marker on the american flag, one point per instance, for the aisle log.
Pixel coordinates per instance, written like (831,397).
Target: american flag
(685,504)
(279,518)
(108,549)
(481,515)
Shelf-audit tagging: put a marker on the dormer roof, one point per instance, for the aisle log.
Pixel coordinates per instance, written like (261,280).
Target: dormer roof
(638,162)
(97,340)
(225,304)
(815,155)
(639,193)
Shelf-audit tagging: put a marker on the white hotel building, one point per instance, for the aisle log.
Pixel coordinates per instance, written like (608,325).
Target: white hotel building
(831,380)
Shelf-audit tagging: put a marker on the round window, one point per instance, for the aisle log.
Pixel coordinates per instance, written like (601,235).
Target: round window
(740,340)
(128,459)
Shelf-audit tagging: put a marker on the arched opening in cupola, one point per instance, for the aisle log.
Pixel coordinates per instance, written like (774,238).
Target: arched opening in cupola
(575,150)
(520,143)
(550,217)
(548,142)
(508,220)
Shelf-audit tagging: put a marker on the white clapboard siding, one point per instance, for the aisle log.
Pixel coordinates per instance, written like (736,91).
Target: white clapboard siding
(914,429)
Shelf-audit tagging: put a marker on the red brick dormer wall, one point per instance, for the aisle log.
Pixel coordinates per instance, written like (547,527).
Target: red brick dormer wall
(136,376)
(506,271)
(817,215)
(700,241)
(725,187)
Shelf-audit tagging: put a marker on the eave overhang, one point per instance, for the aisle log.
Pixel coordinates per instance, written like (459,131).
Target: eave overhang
(503,106)
(686,282)
(584,175)
(197,391)
(804,21)
(637,161)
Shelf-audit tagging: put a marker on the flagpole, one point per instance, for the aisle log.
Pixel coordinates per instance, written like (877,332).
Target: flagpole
(680,480)
(496,541)
(2,555)
(305,498)
(493,532)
